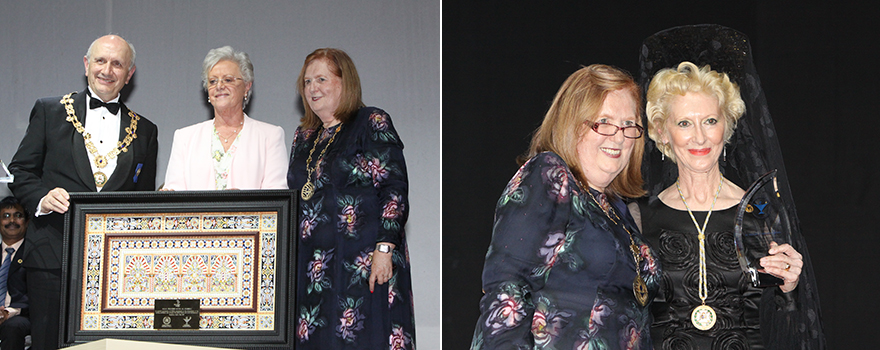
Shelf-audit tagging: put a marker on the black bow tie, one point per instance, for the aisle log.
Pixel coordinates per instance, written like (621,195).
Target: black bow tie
(113,107)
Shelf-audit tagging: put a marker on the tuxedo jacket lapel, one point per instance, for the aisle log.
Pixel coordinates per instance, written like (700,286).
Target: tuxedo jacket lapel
(80,154)
(123,159)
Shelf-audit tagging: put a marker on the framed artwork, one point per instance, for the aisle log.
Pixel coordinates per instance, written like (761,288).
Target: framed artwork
(231,250)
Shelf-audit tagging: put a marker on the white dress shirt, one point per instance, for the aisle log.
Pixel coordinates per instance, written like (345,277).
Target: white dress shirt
(104,128)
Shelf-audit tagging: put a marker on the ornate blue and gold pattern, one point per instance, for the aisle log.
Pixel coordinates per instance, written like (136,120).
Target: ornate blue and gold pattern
(226,260)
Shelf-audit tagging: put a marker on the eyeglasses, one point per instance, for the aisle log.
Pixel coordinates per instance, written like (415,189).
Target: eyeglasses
(17,215)
(227,80)
(607,129)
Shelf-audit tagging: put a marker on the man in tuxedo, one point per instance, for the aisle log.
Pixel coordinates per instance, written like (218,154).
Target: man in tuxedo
(14,322)
(84,141)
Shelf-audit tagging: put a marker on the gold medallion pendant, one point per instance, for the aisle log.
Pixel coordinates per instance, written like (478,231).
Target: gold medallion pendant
(308,190)
(703,317)
(640,290)
(100,179)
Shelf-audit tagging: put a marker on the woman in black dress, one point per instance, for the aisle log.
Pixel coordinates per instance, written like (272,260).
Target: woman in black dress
(707,149)
(353,274)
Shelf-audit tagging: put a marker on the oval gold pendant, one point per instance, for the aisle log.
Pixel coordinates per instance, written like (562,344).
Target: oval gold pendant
(100,179)
(640,290)
(703,317)
(307,191)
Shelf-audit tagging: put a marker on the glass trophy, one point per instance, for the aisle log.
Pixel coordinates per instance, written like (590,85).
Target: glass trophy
(761,219)
(6,176)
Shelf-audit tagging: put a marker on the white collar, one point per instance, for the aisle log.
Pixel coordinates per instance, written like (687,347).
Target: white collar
(95,96)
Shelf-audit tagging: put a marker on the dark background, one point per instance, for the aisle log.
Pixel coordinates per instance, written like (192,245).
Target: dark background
(503,63)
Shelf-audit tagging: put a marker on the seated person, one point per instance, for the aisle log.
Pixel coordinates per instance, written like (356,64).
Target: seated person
(14,322)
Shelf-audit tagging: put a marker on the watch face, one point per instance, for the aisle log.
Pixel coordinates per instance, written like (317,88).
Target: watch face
(384,248)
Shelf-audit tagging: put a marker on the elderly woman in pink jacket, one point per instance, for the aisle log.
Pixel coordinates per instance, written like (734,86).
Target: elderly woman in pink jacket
(230,151)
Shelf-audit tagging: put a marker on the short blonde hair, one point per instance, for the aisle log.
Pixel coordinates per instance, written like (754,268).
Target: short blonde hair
(579,100)
(669,83)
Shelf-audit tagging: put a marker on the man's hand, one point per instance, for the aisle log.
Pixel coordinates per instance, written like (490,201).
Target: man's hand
(4,315)
(57,200)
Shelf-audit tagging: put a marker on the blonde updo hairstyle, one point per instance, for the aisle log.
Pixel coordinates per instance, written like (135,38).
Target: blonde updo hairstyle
(580,99)
(669,83)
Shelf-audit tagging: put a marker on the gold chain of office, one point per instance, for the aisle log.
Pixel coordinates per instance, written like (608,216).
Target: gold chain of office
(100,160)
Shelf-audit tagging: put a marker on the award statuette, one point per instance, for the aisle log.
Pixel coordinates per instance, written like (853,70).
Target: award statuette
(5,176)
(761,219)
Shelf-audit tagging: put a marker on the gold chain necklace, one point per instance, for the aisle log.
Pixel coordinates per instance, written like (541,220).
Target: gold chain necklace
(100,160)
(640,289)
(703,317)
(308,190)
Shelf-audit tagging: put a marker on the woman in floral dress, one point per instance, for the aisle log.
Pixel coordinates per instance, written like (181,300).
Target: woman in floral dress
(567,267)
(353,270)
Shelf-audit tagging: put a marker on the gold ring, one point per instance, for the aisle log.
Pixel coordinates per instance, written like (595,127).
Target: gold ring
(787,266)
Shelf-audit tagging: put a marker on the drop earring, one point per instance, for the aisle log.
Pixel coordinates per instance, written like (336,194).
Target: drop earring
(725,154)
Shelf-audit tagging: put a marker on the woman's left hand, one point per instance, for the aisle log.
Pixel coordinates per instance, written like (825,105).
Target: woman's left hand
(785,262)
(381,270)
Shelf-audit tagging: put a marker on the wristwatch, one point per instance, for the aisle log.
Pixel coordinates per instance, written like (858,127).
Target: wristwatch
(383,248)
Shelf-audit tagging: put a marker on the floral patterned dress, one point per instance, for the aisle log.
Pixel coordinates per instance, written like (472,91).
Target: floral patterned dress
(222,159)
(360,199)
(559,272)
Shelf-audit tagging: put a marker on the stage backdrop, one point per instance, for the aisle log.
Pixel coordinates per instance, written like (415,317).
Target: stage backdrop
(395,45)
(503,63)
